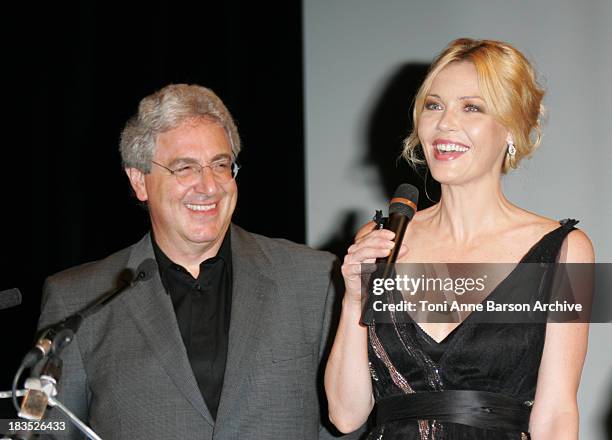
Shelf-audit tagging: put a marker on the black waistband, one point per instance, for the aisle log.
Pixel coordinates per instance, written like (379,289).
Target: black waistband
(481,409)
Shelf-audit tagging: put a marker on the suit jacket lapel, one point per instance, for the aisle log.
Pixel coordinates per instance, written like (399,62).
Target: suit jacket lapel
(153,312)
(251,289)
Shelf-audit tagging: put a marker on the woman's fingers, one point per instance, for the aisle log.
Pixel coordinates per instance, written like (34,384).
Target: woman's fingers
(365,251)
(365,229)
(362,254)
(369,245)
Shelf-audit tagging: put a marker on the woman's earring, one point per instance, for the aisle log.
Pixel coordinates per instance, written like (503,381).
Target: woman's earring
(511,149)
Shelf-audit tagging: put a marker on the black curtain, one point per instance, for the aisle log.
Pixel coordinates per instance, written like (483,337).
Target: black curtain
(78,72)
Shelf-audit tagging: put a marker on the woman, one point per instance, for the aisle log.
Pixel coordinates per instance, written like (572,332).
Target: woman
(475,117)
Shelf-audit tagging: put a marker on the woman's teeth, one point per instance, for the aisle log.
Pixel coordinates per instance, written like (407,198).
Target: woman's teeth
(445,148)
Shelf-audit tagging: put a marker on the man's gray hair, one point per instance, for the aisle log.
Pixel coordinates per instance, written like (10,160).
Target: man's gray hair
(165,110)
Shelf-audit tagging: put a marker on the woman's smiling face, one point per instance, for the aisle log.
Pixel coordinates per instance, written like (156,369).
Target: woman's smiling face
(461,139)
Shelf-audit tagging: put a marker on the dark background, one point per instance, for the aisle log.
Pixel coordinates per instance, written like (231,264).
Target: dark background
(77,73)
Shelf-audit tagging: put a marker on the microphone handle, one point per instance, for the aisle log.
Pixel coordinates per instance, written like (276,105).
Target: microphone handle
(398,224)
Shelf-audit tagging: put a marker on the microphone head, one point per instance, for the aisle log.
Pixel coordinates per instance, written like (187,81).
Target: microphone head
(404,201)
(146,269)
(10,298)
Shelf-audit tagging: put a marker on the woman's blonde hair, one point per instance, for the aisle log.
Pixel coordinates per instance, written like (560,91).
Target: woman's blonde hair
(508,85)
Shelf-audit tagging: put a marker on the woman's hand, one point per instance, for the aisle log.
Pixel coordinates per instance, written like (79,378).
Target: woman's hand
(370,244)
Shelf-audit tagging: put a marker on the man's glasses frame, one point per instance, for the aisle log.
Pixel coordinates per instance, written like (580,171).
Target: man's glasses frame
(191,173)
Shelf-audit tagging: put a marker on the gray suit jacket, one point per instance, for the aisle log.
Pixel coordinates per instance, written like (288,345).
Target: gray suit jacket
(127,373)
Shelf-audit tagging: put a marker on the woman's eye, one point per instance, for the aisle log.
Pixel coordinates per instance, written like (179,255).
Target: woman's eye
(432,106)
(472,108)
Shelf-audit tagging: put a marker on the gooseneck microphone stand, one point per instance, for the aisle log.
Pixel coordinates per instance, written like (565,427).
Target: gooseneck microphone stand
(45,363)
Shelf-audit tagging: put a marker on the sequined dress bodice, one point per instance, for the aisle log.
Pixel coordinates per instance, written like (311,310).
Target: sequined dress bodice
(500,358)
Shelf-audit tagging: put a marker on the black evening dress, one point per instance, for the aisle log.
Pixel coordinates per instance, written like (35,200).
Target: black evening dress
(497,359)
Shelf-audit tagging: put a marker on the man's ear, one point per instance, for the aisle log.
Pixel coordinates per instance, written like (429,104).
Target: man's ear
(137,180)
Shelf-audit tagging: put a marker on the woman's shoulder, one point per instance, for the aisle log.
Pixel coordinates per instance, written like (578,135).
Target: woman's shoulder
(577,245)
(535,224)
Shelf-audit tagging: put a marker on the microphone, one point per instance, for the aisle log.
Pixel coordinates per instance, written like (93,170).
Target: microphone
(10,298)
(56,337)
(51,343)
(402,208)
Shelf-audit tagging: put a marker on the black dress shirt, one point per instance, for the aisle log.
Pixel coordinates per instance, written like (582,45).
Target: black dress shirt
(202,308)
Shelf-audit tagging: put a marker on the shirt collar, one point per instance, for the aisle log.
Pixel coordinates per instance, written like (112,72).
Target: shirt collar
(224,253)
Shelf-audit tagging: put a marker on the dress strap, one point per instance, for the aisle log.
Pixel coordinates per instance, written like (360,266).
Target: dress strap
(481,409)
(569,223)
(547,249)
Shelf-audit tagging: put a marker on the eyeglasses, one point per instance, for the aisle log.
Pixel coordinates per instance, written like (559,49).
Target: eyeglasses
(223,171)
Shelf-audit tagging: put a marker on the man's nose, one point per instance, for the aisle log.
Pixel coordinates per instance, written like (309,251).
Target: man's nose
(206,183)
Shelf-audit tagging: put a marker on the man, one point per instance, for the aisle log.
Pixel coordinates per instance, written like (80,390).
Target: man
(223,340)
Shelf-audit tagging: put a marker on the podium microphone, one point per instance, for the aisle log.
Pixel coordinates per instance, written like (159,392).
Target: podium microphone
(58,336)
(51,343)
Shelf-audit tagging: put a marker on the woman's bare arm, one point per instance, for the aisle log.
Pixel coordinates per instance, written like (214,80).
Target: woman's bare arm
(555,410)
